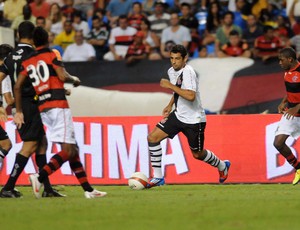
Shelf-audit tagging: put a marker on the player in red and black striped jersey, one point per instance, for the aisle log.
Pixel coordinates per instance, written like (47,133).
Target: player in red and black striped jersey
(32,132)
(47,74)
(289,124)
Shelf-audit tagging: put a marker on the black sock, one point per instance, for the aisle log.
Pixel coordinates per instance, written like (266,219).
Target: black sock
(41,161)
(19,165)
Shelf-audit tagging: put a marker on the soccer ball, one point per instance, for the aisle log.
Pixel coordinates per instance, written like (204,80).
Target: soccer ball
(137,181)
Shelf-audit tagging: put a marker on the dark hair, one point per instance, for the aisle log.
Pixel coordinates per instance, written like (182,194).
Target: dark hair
(234,33)
(95,17)
(5,49)
(288,52)
(40,37)
(267,28)
(179,49)
(26,12)
(147,22)
(228,13)
(26,29)
(123,16)
(136,3)
(210,26)
(185,4)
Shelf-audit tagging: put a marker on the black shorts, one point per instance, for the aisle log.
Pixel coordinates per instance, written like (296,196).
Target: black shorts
(3,134)
(32,129)
(194,132)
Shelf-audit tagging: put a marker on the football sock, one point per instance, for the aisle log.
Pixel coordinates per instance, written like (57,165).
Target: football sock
(55,163)
(19,165)
(214,161)
(155,157)
(293,161)
(3,153)
(80,174)
(41,161)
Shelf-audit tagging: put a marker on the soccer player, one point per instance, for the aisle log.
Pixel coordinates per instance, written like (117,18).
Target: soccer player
(5,143)
(32,132)
(188,117)
(47,74)
(289,124)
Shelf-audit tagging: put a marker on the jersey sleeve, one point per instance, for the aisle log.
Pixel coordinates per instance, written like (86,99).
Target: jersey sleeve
(56,59)
(189,79)
(6,85)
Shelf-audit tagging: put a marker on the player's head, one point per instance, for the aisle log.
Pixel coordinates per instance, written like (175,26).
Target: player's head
(287,58)
(178,57)
(5,49)
(25,30)
(40,37)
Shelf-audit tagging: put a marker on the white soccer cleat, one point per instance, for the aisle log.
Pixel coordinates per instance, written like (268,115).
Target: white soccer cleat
(94,194)
(36,185)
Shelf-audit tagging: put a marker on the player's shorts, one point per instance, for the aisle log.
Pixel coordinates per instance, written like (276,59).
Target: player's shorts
(60,125)
(194,132)
(289,127)
(3,134)
(32,129)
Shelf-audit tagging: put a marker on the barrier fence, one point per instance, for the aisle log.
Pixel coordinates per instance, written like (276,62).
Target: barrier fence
(112,148)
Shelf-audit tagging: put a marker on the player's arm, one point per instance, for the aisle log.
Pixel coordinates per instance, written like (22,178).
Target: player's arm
(184,93)
(167,110)
(18,118)
(282,105)
(64,76)
(9,98)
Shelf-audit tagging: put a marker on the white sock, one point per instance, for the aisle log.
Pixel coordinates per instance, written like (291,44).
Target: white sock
(214,161)
(155,157)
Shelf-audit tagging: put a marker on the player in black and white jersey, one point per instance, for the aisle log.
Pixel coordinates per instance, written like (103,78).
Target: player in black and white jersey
(188,117)
(32,132)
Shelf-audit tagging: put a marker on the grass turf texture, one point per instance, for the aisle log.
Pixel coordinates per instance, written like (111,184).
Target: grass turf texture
(169,207)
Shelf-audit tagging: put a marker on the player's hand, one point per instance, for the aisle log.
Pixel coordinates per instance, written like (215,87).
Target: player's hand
(166,111)
(281,108)
(76,81)
(165,83)
(19,119)
(290,113)
(3,115)
(68,92)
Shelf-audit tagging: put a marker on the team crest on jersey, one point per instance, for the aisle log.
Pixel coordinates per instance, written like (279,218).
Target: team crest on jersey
(163,120)
(295,78)
(20,51)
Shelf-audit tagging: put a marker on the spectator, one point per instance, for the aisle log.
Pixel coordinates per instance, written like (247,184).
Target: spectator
(148,6)
(186,18)
(295,41)
(137,50)
(283,29)
(98,37)
(295,21)
(212,24)
(51,37)
(80,24)
(174,34)
(159,20)
(120,38)
(192,5)
(151,40)
(239,13)
(116,8)
(100,13)
(235,47)
(267,45)
(222,34)
(68,9)
(80,50)
(3,21)
(84,6)
(26,16)
(40,8)
(136,16)
(41,22)
(252,31)
(54,22)
(13,9)
(66,37)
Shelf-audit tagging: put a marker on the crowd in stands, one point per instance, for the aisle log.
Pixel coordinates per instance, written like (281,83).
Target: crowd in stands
(131,30)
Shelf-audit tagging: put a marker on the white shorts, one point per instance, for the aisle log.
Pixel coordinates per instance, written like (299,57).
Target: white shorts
(60,125)
(289,127)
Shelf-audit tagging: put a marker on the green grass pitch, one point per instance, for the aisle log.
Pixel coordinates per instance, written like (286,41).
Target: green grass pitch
(271,206)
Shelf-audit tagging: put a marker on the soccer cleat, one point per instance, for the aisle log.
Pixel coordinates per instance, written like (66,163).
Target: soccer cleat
(53,193)
(10,193)
(94,194)
(36,185)
(155,182)
(297,177)
(224,174)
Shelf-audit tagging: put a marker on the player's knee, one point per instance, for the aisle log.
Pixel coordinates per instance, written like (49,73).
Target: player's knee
(278,144)
(152,138)
(199,155)
(7,145)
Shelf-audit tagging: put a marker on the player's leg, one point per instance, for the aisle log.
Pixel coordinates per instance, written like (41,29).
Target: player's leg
(5,145)
(286,152)
(168,127)
(20,162)
(195,134)
(285,129)
(77,168)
